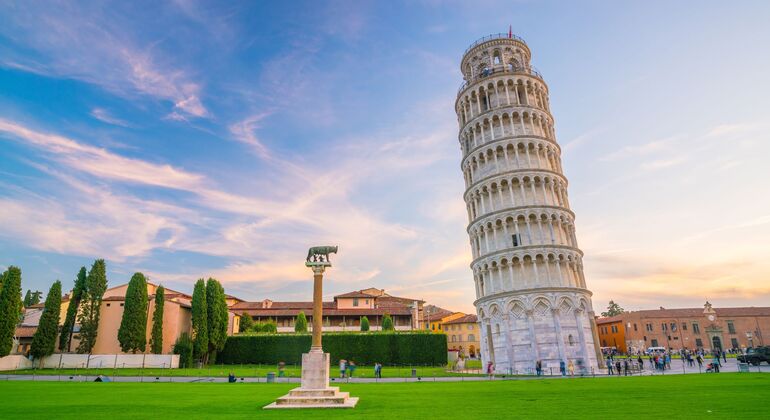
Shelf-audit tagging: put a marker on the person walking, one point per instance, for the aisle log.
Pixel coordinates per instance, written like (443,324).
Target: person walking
(640,362)
(700,361)
(609,366)
(724,356)
(351,368)
(617,367)
(562,368)
(343,367)
(625,367)
(571,368)
(377,370)
(539,367)
(491,370)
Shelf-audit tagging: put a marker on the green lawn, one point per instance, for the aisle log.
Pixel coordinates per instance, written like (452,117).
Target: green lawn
(680,396)
(239,370)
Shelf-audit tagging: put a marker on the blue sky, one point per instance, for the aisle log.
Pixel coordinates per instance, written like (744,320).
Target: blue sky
(192,138)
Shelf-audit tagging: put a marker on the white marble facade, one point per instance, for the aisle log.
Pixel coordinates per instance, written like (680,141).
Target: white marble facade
(531,295)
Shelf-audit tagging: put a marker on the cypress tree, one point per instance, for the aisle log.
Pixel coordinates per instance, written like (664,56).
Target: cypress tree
(10,305)
(364,323)
(387,323)
(65,340)
(217,315)
(96,284)
(44,340)
(28,299)
(156,341)
(200,320)
(247,322)
(132,333)
(300,325)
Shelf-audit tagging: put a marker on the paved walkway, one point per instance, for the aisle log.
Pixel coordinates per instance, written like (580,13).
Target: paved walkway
(677,368)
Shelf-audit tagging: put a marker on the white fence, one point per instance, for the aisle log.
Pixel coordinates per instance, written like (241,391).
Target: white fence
(100,361)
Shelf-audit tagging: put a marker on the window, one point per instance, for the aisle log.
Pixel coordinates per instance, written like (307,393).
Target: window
(121,304)
(664,327)
(471,337)
(654,343)
(355,301)
(366,301)
(516,239)
(470,326)
(734,342)
(571,340)
(673,326)
(684,326)
(497,328)
(635,327)
(648,326)
(645,338)
(731,327)
(454,338)
(460,337)
(108,305)
(696,329)
(698,342)
(614,329)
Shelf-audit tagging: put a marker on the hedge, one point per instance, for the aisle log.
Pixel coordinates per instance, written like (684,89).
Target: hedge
(388,348)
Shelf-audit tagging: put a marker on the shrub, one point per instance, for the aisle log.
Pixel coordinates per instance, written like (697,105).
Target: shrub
(184,348)
(247,322)
(364,323)
(387,323)
(390,348)
(263,327)
(300,325)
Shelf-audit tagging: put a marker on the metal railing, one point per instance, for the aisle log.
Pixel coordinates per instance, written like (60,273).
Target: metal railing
(491,37)
(500,69)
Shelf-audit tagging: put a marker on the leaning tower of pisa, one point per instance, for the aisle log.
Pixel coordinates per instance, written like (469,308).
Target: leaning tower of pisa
(531,295)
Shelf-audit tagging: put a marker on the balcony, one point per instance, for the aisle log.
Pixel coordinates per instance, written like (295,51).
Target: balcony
(493,37)
(499,69)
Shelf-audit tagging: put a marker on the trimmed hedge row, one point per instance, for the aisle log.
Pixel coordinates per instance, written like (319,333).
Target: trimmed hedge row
(388,348)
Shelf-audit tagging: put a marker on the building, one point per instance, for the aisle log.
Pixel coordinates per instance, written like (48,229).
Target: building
(177,319)
(462,334)
(706,328)
(344,313)
(436,321)
(532,299)
(612,333)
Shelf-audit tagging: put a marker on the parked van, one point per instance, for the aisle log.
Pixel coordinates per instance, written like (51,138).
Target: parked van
(655,350)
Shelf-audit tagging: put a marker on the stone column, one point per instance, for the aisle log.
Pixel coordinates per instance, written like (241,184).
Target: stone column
(559,339)
(318,276)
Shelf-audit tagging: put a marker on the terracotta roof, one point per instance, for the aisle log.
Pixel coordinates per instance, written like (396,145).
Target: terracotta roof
(437,316)
(610,320)
(280,305)
(356,294)
(467,319)
(25,332)
(233,297)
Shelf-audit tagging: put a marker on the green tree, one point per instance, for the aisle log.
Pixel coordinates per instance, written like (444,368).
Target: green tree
(247,322)
(28,299)
(200,320)
(156,341)
(387,323)
(300,324)
(96,284)
(65,339)
(184,348)
(364,323)
(132,334)
(10,306)
(613,309)
(44,340)
(35,298)
(217,316)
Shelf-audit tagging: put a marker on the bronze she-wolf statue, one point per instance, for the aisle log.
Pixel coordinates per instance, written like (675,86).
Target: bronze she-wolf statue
(321,253)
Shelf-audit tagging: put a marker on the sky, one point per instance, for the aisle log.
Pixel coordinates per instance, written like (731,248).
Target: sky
(191,139)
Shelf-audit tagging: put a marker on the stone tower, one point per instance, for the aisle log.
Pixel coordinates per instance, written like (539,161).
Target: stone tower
(531,295)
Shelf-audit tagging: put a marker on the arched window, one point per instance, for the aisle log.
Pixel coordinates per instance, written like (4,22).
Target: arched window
(496,58)
(471,337)
(571,340)
(454,338)
(497,328)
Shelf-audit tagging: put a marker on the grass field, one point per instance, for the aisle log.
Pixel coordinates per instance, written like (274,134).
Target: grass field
(248,371)
(682,396)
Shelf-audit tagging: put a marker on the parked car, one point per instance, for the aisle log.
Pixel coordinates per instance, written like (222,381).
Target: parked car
(655,350)
(756,356)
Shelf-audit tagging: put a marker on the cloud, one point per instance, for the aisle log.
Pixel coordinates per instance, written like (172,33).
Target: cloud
(244,132)
(105,117)
(87,44)
(655,146)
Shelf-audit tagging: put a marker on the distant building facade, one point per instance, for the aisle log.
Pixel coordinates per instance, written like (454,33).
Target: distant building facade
(706,328)
(462,334)
(344,313)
